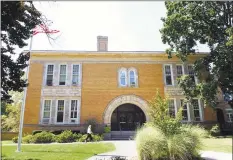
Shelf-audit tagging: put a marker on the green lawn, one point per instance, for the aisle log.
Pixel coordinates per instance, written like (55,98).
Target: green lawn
(56,151)
(218,144)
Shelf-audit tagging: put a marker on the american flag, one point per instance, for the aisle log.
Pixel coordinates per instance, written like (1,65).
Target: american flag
(43,29)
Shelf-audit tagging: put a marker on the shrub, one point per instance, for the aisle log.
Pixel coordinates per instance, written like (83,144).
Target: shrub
(77,136)
(44,137)
(215,130)
(66,137)
(95,138)
(152,143)
(15,140)
(107,129)
(166,137)
(36,131)
(28,139)
(57,132)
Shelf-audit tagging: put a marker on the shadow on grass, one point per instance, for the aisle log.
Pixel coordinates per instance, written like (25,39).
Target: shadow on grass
(20,159)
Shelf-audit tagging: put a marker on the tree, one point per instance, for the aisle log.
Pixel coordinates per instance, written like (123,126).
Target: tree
(191,22)
(17,21)
(10,120)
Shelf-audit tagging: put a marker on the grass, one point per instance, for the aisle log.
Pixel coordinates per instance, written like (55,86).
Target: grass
(55,151)
(218,144)
(7,142)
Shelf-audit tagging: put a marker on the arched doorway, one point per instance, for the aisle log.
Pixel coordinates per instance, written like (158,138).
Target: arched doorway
(127,117)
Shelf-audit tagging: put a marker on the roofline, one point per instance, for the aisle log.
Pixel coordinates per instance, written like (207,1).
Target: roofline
(101,52)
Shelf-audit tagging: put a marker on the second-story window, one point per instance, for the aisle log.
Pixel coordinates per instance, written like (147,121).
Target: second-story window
(168,74)
(123,77)
(179,71)
(49,77)
(191,73)
(75,75)
(133,78)
(62,78)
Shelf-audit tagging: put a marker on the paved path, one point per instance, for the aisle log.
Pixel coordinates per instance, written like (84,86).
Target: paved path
(127,149)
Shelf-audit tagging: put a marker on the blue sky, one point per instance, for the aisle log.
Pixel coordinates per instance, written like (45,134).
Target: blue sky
(130,26)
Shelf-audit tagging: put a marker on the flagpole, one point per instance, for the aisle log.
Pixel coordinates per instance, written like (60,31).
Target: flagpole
(23,102)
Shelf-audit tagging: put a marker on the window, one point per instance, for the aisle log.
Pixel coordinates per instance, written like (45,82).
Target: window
(229,115)
(47,106)
(172,110)
(75,75)
(74,110)
(49,78)
(123,78)
(179,70)
(60,110)
(62,80)
(196,110)
(168,74)
(185,111)
(132,81)
(191,73)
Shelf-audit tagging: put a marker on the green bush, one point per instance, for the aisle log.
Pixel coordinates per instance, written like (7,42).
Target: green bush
(15,139)
(107,129)
(166,137)
(36,131)
(77,136)
(66,137)
(95,138)
(44,137)
(215,130)
(28,139)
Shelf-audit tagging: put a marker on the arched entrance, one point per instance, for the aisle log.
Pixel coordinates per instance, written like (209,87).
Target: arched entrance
(123,100)
(127,117)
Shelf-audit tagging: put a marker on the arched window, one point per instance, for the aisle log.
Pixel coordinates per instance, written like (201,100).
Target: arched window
(122,77)
(133,78)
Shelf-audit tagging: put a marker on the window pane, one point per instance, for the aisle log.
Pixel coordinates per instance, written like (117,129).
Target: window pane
(191,73)
(62,80)
(74,104)
(75,69)
(171,105)
(46,114)
(60,105)
(196,110)
(167,70)
(50,69)
(63,69)
(168,80)
(123,78)
(75,79)
(179,71)
(60,117)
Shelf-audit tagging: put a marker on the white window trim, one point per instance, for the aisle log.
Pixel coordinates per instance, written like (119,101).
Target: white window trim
(200,110)
(135,76)
(80,74)
(119,77)
(174,99)
(78,107)
(42,114)
(45,82)
(63,111)
(172,78)
(66,74)
(226,110)
(188,111)
(195,77)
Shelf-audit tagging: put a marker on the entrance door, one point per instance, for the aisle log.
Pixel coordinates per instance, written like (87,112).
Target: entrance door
(127,117)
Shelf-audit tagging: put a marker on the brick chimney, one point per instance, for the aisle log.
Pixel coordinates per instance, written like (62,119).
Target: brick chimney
(102,43)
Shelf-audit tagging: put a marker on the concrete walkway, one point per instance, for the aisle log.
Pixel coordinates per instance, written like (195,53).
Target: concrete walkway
(127,150)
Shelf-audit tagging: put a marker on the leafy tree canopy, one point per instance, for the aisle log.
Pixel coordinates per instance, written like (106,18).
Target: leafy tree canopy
(18,18)
(191,22)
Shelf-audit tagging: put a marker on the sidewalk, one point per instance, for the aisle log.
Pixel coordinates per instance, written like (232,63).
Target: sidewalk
(127,150)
